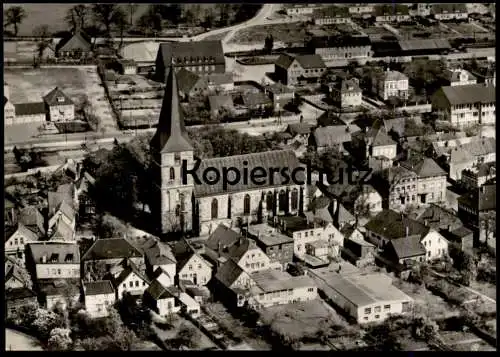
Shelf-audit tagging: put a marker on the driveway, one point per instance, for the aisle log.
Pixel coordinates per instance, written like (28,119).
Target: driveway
(18,341)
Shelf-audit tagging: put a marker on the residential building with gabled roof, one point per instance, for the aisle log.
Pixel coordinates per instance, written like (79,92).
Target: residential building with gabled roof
(130,280)
(431,180)
(161,299)
(191,84)
(465,105)
(398,187)
(59,106)
(32,219)
(391,84)
(75,46)
(331,15)
(447,12)
(62,231)
(190,264)
(98,297)
(16,298)
(16,238)
(291,70)
(160,256)
(53,260)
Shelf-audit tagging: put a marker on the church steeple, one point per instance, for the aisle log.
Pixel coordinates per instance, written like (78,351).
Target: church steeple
(171,135)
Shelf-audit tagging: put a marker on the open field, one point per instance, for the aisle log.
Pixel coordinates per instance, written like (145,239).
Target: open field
(30,85)
(22,51)
(304,319)
(216,37)
(487,289)
(286,32)
(423,32)
(425,302)
(237,327)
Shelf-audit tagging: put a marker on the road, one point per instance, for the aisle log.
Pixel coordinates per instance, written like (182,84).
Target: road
(18,341)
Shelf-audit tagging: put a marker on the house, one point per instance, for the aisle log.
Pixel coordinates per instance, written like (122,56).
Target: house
(53,260)
(200,295)
(202,57)
(299,132)
(190,84)
(16,238)
(301,9)
(273,287)
(222,82)
(107,253)
(59,293)
(486,75)
(465,105)
(333,136)
(439,218)
(410,48)
(431,180)
(390,226)
(32,219)
(446,12)
(291,70)
(221,105)
(319,208)
(391,84)
(59,106)
(231,281)
(189,305)
(405,251)
(304,231)
(342,217)
(86,206)
(374,143)
(463,237)
(159,255)
(278,247)
(76,46)
(331,15)
(356,249)
(62,231)
(361,10)
(475,177)
(368,199)
(60,205)
(341,47)
(161,299)
(98,296)
(48,53)
(458,77)
(280,95)
(127,66)
(225,244)
(191,265)
(131,280)
(16,276)
(471,154)
(391,13)
(29,113)
(16,298)
(347,93)
(367,298)
(477,209)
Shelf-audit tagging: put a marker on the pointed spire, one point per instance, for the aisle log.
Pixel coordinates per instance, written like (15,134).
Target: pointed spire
(171,135)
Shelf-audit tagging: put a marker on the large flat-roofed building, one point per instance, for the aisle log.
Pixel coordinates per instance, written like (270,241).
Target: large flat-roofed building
(365,297)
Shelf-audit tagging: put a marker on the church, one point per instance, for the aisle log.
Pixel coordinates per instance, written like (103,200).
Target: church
(199,208)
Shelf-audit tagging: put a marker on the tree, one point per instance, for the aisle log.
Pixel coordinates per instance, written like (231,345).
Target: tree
(42,32)
(132,8)
(77,16)
(15,16)
(269,43)
(424,328)
(120,20)
(107,15)
(60,339)
(188,336)
(44,322)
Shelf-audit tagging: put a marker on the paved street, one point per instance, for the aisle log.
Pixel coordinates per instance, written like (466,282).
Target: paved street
(18,341)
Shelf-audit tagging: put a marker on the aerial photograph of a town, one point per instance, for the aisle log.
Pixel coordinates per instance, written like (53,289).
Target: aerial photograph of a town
(244,176)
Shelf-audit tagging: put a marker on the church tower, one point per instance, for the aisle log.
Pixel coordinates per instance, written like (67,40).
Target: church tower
(170,146)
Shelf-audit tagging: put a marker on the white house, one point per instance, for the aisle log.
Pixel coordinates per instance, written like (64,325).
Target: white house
(449,12)
(16,238)
(161,261)
(465,105)
(59,106)
(189,305)
(458,77)
(130,280)
(436,246)
(161,299)
(391,84)
(370,199)
(347,93)
(98,297)
(303,231)
(191,265)
(53,260)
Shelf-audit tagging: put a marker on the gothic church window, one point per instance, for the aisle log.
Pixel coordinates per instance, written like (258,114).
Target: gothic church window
(246,204)
(215,209)
(295,199)
(172,173)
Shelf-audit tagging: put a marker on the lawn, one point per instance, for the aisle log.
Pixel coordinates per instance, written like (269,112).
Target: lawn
(217,37)
(31,85)
(487,289)
(287,32)
(227,321)
(302,320)
(425,302)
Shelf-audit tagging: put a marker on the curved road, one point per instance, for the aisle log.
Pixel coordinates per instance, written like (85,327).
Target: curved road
(18,341)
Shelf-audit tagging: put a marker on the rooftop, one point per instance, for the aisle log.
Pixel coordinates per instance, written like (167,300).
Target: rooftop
(274,280)
(468,94)
(111,248)
(98,287)
(268,235)
(55,252)
(393,225)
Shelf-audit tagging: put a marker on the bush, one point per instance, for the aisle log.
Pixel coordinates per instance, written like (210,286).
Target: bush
(59,339)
